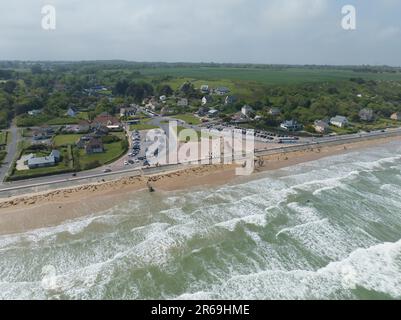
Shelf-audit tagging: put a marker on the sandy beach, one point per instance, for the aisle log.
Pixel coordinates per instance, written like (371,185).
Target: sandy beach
(46,209)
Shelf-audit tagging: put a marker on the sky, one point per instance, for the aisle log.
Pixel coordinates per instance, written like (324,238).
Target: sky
(232,31)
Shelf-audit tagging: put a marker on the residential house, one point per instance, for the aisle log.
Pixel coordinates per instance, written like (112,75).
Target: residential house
(163,98)
(205,89)
(213,113)
(100,130)
(128,111)
(34,162)
(366,114)
(291,125)
(108,121)
(206,100)
(222,91)
(91,143)
(182,102)
(42,133)
(72,111)
(202,111)
(239,118)
(230,100)
(339,121)
(246,110)
(81,127)
(274,111)
(321,126)
(94,145)
(396,116)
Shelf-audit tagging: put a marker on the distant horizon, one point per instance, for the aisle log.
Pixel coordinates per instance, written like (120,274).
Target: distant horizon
(196,63)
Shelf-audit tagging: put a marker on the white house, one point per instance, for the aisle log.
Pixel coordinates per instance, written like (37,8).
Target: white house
(246,110)
(34,112)
(321,126)
(339,121)
(213,113)
(205,89)
(163,98)
(182,102)
(72,112)
(291,125)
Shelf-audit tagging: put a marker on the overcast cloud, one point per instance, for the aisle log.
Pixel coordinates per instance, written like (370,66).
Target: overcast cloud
(254,31)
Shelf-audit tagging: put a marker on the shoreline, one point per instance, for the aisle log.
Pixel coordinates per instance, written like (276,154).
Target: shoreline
(51,208)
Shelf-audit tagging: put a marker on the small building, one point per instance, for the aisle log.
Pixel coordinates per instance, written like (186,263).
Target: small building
(274,111)
(206,100)
(321,126)
(213,113)
(396,116)
(205,89)
(246,110)
(163,98)
(41,162)
(339,121)
(34,112)
(108,121)
(222,91)
(34,162)
(72,112)
(366,114)
(182,102)
(128,111)
(94,145)
(230,100)
(42,133)
(291,125)
(202,111)
(81,127)
(56,154)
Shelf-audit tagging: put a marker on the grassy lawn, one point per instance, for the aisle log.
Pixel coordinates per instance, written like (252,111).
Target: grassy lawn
(3,137)
(65,139)
(199,134)
(143,125)
(62,120)
(265,76)
(112,151)
(188,118)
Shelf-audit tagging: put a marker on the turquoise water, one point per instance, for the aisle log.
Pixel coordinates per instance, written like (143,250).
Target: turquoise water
(328,229)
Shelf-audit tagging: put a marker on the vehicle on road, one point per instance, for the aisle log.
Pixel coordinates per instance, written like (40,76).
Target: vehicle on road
(107,170)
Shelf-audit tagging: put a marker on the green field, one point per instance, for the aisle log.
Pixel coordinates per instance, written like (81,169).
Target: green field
(112,152)
(188,118)
(265,76)
(3,137)
(65,139)
(143,125)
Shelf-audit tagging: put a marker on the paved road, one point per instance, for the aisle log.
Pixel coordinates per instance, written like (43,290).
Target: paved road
(11,151)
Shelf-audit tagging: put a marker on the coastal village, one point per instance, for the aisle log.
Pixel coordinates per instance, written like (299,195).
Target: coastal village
(109,133)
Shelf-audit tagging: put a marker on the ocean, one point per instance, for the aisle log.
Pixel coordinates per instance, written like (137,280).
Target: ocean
(327,229)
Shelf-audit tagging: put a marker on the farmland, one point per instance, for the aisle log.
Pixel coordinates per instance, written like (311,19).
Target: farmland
(225,76)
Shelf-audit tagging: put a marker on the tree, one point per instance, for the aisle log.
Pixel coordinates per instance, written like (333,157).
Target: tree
(165,90)
(10,86)
(121,87)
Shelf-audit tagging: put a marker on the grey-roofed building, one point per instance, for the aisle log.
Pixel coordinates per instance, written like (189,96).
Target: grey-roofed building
(339,121)
(366,114)
(41,162)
